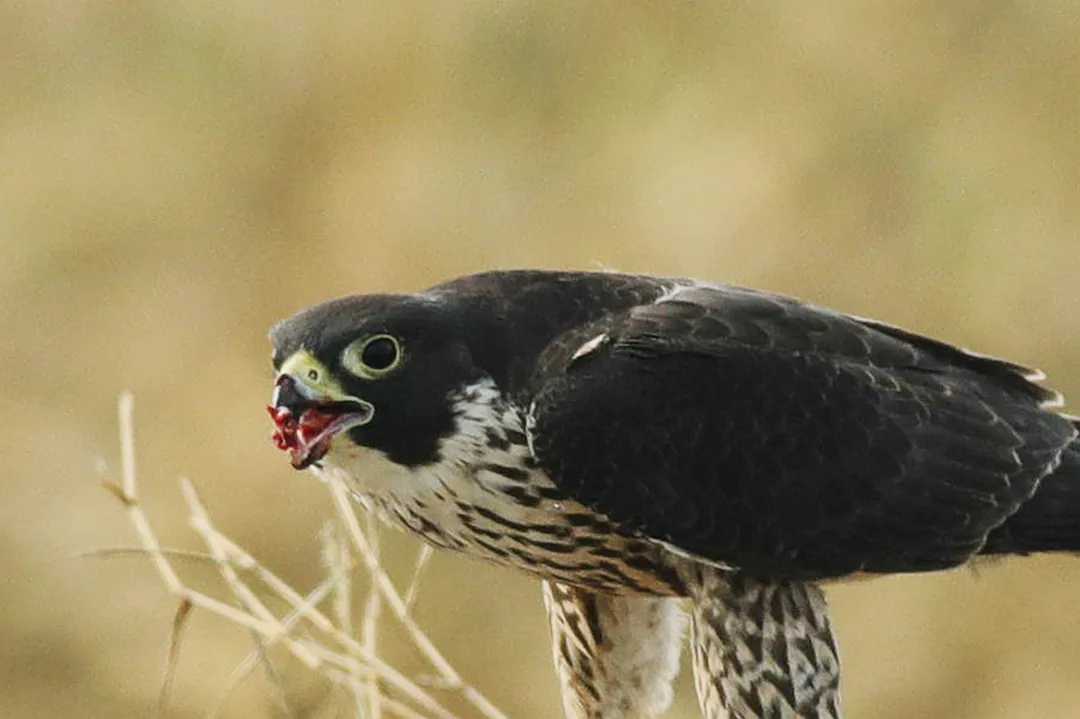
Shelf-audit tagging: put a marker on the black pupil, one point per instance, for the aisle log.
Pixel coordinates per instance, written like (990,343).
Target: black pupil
(379,353)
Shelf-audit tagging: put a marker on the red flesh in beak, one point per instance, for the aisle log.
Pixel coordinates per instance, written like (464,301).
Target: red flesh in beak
(307,437)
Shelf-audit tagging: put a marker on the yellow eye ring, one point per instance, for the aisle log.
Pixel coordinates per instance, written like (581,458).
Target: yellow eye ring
(372,357)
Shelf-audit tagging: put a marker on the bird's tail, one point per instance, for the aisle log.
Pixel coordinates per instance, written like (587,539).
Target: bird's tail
(1050,520)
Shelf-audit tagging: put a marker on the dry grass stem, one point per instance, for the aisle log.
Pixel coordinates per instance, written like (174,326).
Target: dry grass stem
(422,559)
(252,660)
(369,636)
(446,673)
(325,643)
(183,611)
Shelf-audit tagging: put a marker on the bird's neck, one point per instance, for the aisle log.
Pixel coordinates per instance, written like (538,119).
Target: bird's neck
(486,497)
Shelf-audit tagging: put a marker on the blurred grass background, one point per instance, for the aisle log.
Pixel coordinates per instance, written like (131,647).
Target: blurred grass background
(176,176)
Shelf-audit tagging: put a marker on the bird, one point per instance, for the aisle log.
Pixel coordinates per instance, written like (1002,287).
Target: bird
(672,456)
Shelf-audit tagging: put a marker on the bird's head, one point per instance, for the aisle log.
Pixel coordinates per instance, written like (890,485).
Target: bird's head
(377,372)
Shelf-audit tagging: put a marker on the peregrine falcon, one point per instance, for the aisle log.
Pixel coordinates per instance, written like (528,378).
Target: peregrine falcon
(641,444)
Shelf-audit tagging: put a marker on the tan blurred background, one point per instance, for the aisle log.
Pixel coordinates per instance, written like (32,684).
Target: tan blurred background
(174,176)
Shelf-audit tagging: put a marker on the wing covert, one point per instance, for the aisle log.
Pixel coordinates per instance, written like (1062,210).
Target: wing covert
(787,440)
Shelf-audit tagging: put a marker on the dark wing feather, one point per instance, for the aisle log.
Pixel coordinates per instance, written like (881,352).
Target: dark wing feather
(788,440)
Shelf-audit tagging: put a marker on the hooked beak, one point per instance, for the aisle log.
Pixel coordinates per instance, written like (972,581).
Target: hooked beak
(309,409)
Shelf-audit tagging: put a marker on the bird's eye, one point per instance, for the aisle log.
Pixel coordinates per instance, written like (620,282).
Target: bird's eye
(380,353)
(373,357)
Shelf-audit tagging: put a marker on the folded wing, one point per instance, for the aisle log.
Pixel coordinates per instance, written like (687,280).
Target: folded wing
(790,441)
